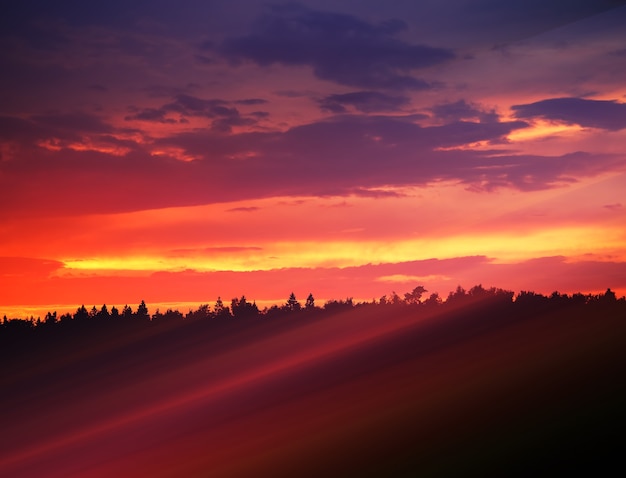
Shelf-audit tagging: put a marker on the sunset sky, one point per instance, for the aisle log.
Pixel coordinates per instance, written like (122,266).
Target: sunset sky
(180,151)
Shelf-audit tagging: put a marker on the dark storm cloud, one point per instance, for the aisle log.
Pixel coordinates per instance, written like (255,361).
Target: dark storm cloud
(339,47)
(363,101)
(603,114)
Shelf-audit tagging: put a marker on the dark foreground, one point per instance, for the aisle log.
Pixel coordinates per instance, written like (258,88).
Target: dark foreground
(479,390)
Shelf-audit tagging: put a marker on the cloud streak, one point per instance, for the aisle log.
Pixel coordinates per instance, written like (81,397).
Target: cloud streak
(602,114)
(337,156)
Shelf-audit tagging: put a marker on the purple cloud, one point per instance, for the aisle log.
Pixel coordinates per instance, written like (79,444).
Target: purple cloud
(224,117)
(461,110)
(363,101)
(603,114)
(339,47)
(344,155)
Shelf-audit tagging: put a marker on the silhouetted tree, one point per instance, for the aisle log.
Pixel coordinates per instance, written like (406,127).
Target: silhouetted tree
(458,297)
(292,303)
(608,297)
(115,313)
(310,302)
(81,314)
(65,318)
(220,310)
(337,305)
(433,300)
(414,297)
(395,299)
(241,308)
(104,312)
(169,315)
(127,312)
(51,318)
(274,312)
(478,292)
(203,312)
(142,311)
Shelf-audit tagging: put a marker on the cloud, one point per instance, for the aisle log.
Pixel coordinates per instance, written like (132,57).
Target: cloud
(194,106)
(224,117)
(461,110)
(376,193)
(214,251)
(243,209)
(343,155)
(80,122)
(19,130)
(150,114)
(542,275)
(363,101)
(205,60)
(16,268)
(404,278)
(603,114)
(251,101)
(339,47)
(57,131)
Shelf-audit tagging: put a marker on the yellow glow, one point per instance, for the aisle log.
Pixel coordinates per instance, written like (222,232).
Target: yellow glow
(401,278)
(504,248)
(542,128)
(86,144)
(178,153)
(90,146)
(468,146)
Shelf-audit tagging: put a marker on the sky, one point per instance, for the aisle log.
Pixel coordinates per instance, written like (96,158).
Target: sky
(179,151)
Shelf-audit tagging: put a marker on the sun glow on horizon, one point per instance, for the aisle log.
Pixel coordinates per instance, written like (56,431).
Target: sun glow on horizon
(502,247)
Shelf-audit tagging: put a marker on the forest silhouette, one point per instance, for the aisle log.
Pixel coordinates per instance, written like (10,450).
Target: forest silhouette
(486,381)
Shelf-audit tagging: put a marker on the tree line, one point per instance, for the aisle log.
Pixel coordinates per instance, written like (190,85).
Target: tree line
(242,308)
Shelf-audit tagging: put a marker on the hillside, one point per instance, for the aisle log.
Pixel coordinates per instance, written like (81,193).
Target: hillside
(482,386)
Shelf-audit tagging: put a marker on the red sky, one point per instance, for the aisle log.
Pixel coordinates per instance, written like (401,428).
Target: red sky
(178,154)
